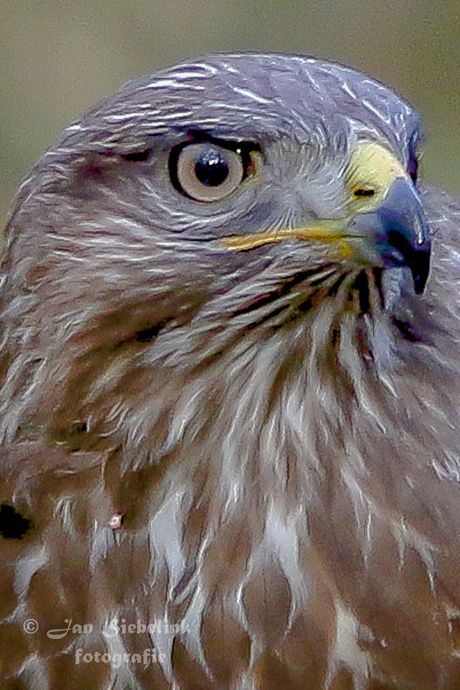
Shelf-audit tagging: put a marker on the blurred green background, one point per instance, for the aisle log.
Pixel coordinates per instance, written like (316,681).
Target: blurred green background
(59,57)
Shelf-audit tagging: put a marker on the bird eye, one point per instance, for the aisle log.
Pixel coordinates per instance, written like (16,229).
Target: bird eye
(207,172)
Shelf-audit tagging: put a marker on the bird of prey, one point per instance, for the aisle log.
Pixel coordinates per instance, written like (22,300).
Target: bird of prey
(230,392)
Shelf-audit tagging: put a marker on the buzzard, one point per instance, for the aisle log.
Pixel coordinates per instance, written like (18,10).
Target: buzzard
(230,392)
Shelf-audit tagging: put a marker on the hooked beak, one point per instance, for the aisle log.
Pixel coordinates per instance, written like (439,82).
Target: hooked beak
(398,230)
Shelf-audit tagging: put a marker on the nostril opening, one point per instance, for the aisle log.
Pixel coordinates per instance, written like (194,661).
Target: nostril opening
(364,192)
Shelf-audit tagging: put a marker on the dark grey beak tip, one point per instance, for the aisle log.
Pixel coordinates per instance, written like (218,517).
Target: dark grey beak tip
(420,267)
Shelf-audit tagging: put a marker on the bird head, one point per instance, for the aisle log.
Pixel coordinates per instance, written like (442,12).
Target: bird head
(228,199)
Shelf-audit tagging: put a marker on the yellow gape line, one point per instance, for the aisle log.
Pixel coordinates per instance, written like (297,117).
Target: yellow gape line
(324,231)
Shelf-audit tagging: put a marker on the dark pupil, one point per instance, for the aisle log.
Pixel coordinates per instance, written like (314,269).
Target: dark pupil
(211,169)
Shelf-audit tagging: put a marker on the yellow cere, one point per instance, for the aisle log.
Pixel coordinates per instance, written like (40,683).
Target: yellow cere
(369,175)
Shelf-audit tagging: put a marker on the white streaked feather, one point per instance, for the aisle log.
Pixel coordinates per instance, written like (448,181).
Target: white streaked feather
(26,567)
(102,541)
(165,533)
(33,672)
